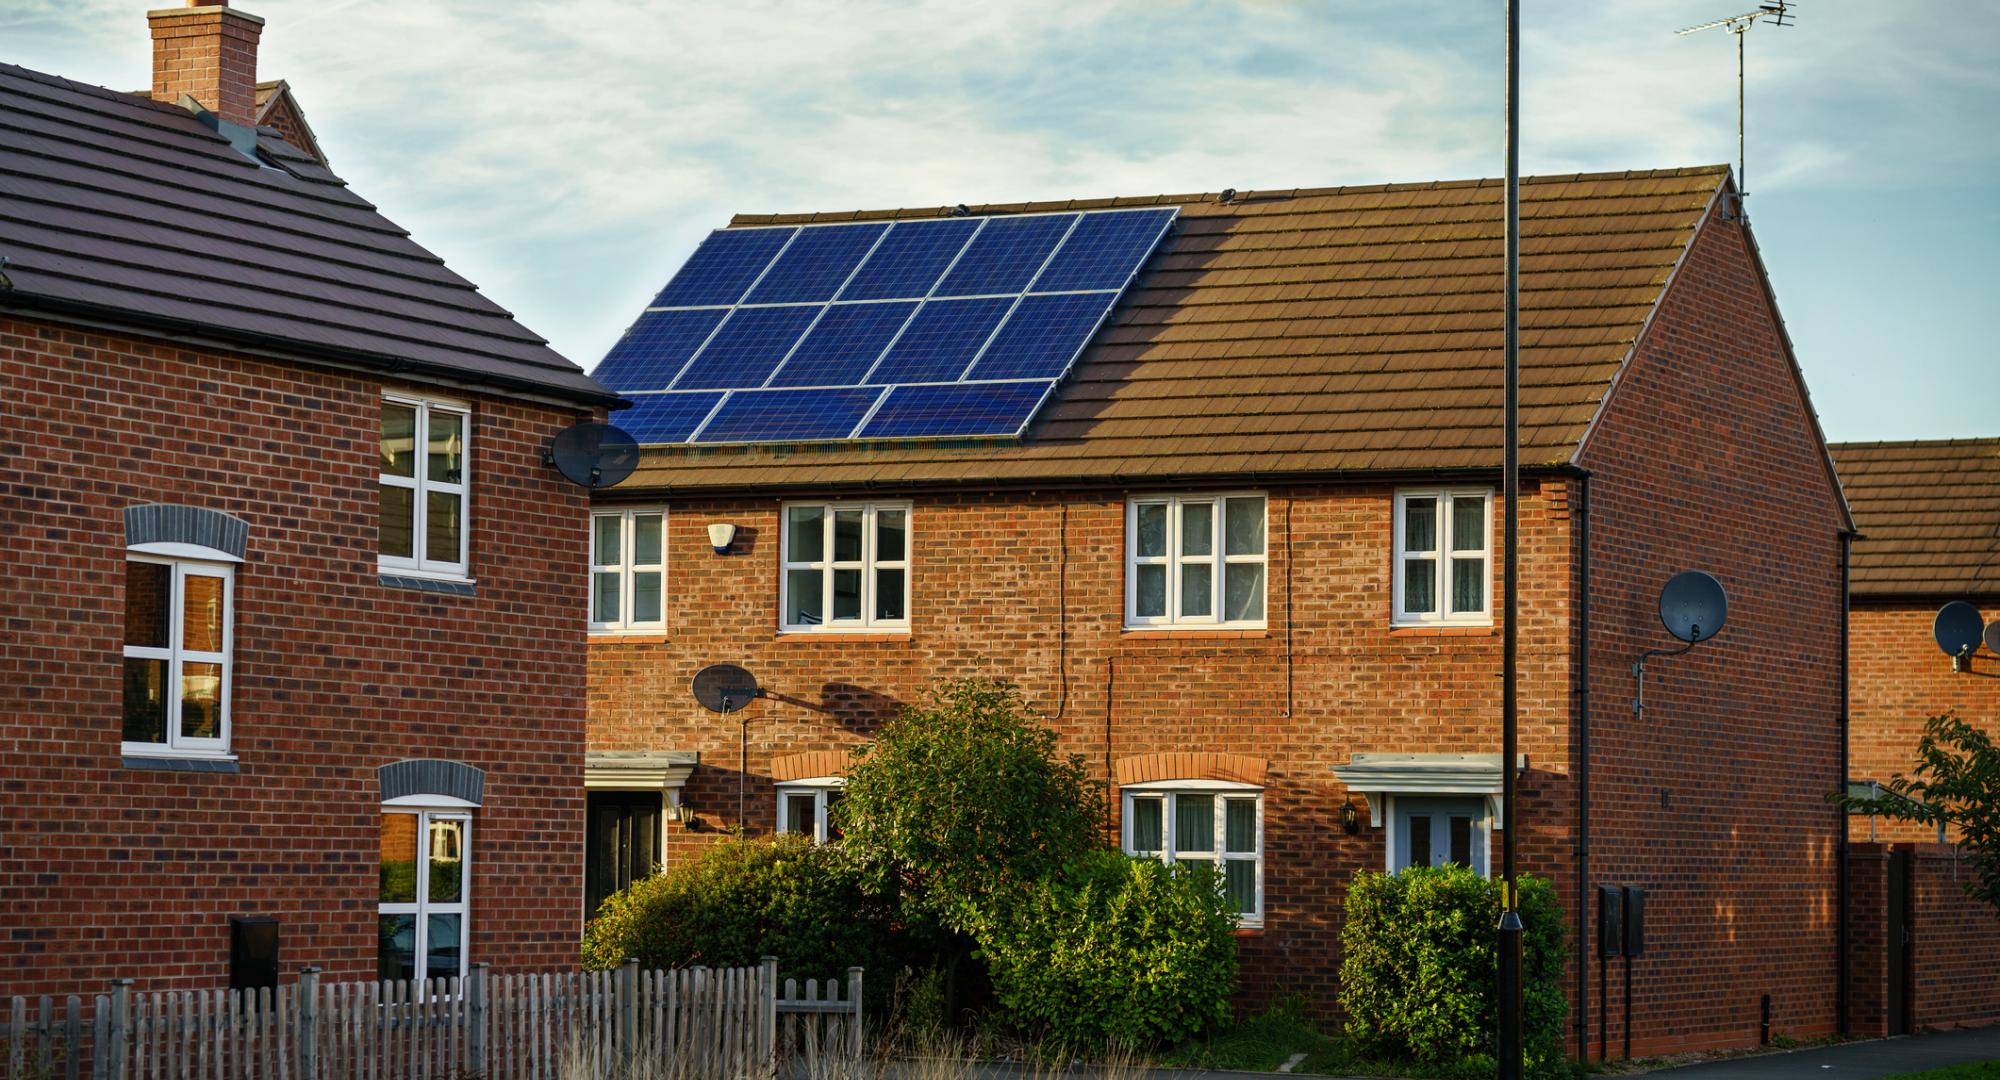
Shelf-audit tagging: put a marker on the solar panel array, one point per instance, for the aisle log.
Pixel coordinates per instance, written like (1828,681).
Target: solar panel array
(940,328)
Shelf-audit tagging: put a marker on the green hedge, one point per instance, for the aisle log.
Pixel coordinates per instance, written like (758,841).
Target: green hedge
(1418,976)
(741,900)
(1115,949)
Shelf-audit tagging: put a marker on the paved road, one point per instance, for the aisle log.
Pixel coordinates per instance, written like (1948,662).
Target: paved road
(1853,1061)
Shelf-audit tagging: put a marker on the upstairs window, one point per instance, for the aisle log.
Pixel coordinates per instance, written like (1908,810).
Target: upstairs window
(425,476)
(1195,561)
(177,656)
(846,567)
(628,569)
(1444,557)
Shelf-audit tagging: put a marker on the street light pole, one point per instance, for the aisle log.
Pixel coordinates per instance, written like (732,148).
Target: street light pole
(1508,1038)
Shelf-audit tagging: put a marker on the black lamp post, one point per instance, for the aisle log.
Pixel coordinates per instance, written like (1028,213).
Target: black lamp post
(1508,1038)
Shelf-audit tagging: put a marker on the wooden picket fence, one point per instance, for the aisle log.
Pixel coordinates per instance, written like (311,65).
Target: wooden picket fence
(692,1023)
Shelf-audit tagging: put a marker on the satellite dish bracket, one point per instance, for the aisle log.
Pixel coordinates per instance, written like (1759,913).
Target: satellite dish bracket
(1639,669)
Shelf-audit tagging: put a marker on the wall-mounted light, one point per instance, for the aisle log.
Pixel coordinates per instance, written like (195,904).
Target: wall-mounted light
(1350,819)
(683,812)
(720,536)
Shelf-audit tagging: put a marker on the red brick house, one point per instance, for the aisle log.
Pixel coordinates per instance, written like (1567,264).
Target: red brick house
(1243,559)
(292,603)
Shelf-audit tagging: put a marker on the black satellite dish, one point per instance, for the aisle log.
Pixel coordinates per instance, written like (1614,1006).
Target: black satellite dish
(1957,629)
(593,455)
(725,688)
(1693,606)
(1993,636)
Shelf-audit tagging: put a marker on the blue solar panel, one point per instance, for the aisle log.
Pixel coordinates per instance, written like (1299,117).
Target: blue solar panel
(1043,336)
(941,340)
(789,415)
(816,265)
(966,410)
(1006,255)
(665,418)
(655,349)
(746,348)
(1103,250)
(910,259)
(723,267)
(843,345)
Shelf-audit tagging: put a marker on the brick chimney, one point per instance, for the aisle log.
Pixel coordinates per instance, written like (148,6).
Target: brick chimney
(207,50)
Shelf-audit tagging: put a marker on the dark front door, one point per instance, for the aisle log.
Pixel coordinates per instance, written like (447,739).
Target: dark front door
(622,842)
(1902,974)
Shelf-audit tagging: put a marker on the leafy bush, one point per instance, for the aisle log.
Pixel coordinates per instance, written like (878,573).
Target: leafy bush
(1114,949)
(1956,781)
(1419,973)
(742,900)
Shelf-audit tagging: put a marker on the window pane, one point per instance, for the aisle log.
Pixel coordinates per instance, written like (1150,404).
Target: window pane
(1151,601)
(806,533)
(447,447)
(441,509)
(146,603)
(447,884)
(604,596)
(847,594)
(1147,829)
(1152,531)
(646,596)
(145,700)
(1197,528)
(399,440)
(441,946)
(1243,591)
(1420,585)
(1419,525)
(201,613)
(847,535)
(889,535)
(399,859)
(833,830)
(1240,826)
(1468,581)
(1468,524)
(646,539)
(799,813)
(888,594)
(604,549)
(201,700)
(1194,823)
(1240,880)
(1244,527)
(1197,589)
(1461,840)
(396,949)
(802,598)
(1420,839)
(395,529)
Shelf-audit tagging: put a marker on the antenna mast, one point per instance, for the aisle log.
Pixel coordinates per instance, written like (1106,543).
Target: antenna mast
(1777,13)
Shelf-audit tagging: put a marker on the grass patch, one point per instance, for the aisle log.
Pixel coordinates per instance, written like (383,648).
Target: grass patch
(1975,1070)
(1259,1043)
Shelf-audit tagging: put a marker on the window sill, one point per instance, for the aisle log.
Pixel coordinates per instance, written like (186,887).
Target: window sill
(628,637)
(1249,929)
(1486,629)
(855,636)
(1195,633)
(188,763)
(444,586)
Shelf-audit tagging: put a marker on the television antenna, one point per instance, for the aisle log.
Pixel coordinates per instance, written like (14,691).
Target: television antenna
(1777,13)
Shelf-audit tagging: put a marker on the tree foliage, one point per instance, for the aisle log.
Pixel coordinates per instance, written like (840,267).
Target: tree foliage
(1956,782)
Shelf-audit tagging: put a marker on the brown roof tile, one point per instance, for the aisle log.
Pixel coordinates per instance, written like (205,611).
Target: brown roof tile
(1929,516)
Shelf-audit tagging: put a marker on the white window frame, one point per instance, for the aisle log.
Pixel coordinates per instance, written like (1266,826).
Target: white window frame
(178,745)
(819,787)
(1442,555)
(627,570)
(1168,791)
(1392,832)
(423,907)
(419,563)
(868,564)
(1218,558)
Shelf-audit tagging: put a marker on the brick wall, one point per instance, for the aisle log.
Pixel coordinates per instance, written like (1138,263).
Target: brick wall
(111,871)
(1706,458)
(1899,679)
(1954,941)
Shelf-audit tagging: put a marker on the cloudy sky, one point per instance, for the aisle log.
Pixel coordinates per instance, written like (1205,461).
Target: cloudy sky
(568,154)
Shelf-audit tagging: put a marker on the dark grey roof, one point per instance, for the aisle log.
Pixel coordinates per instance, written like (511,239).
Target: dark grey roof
(131,212)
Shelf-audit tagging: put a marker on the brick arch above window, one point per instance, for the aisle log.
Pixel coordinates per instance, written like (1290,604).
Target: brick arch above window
(811,764)
(170,529)
(415,778)
(1151,768)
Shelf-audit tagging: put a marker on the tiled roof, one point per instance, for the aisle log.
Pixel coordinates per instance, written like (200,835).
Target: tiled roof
(1336,329)
(278,108)
(1929,516)
(128,212)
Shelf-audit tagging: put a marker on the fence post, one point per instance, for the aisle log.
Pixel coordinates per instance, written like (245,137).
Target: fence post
(475,1019)
(308,1021)
(121,1023)
(767,1016)
(628,1009)
(854,997)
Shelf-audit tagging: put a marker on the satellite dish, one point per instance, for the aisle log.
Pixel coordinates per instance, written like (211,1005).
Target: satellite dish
(1957,628)
(593,455)
(1993,636)
(1693,606)
(725,688)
